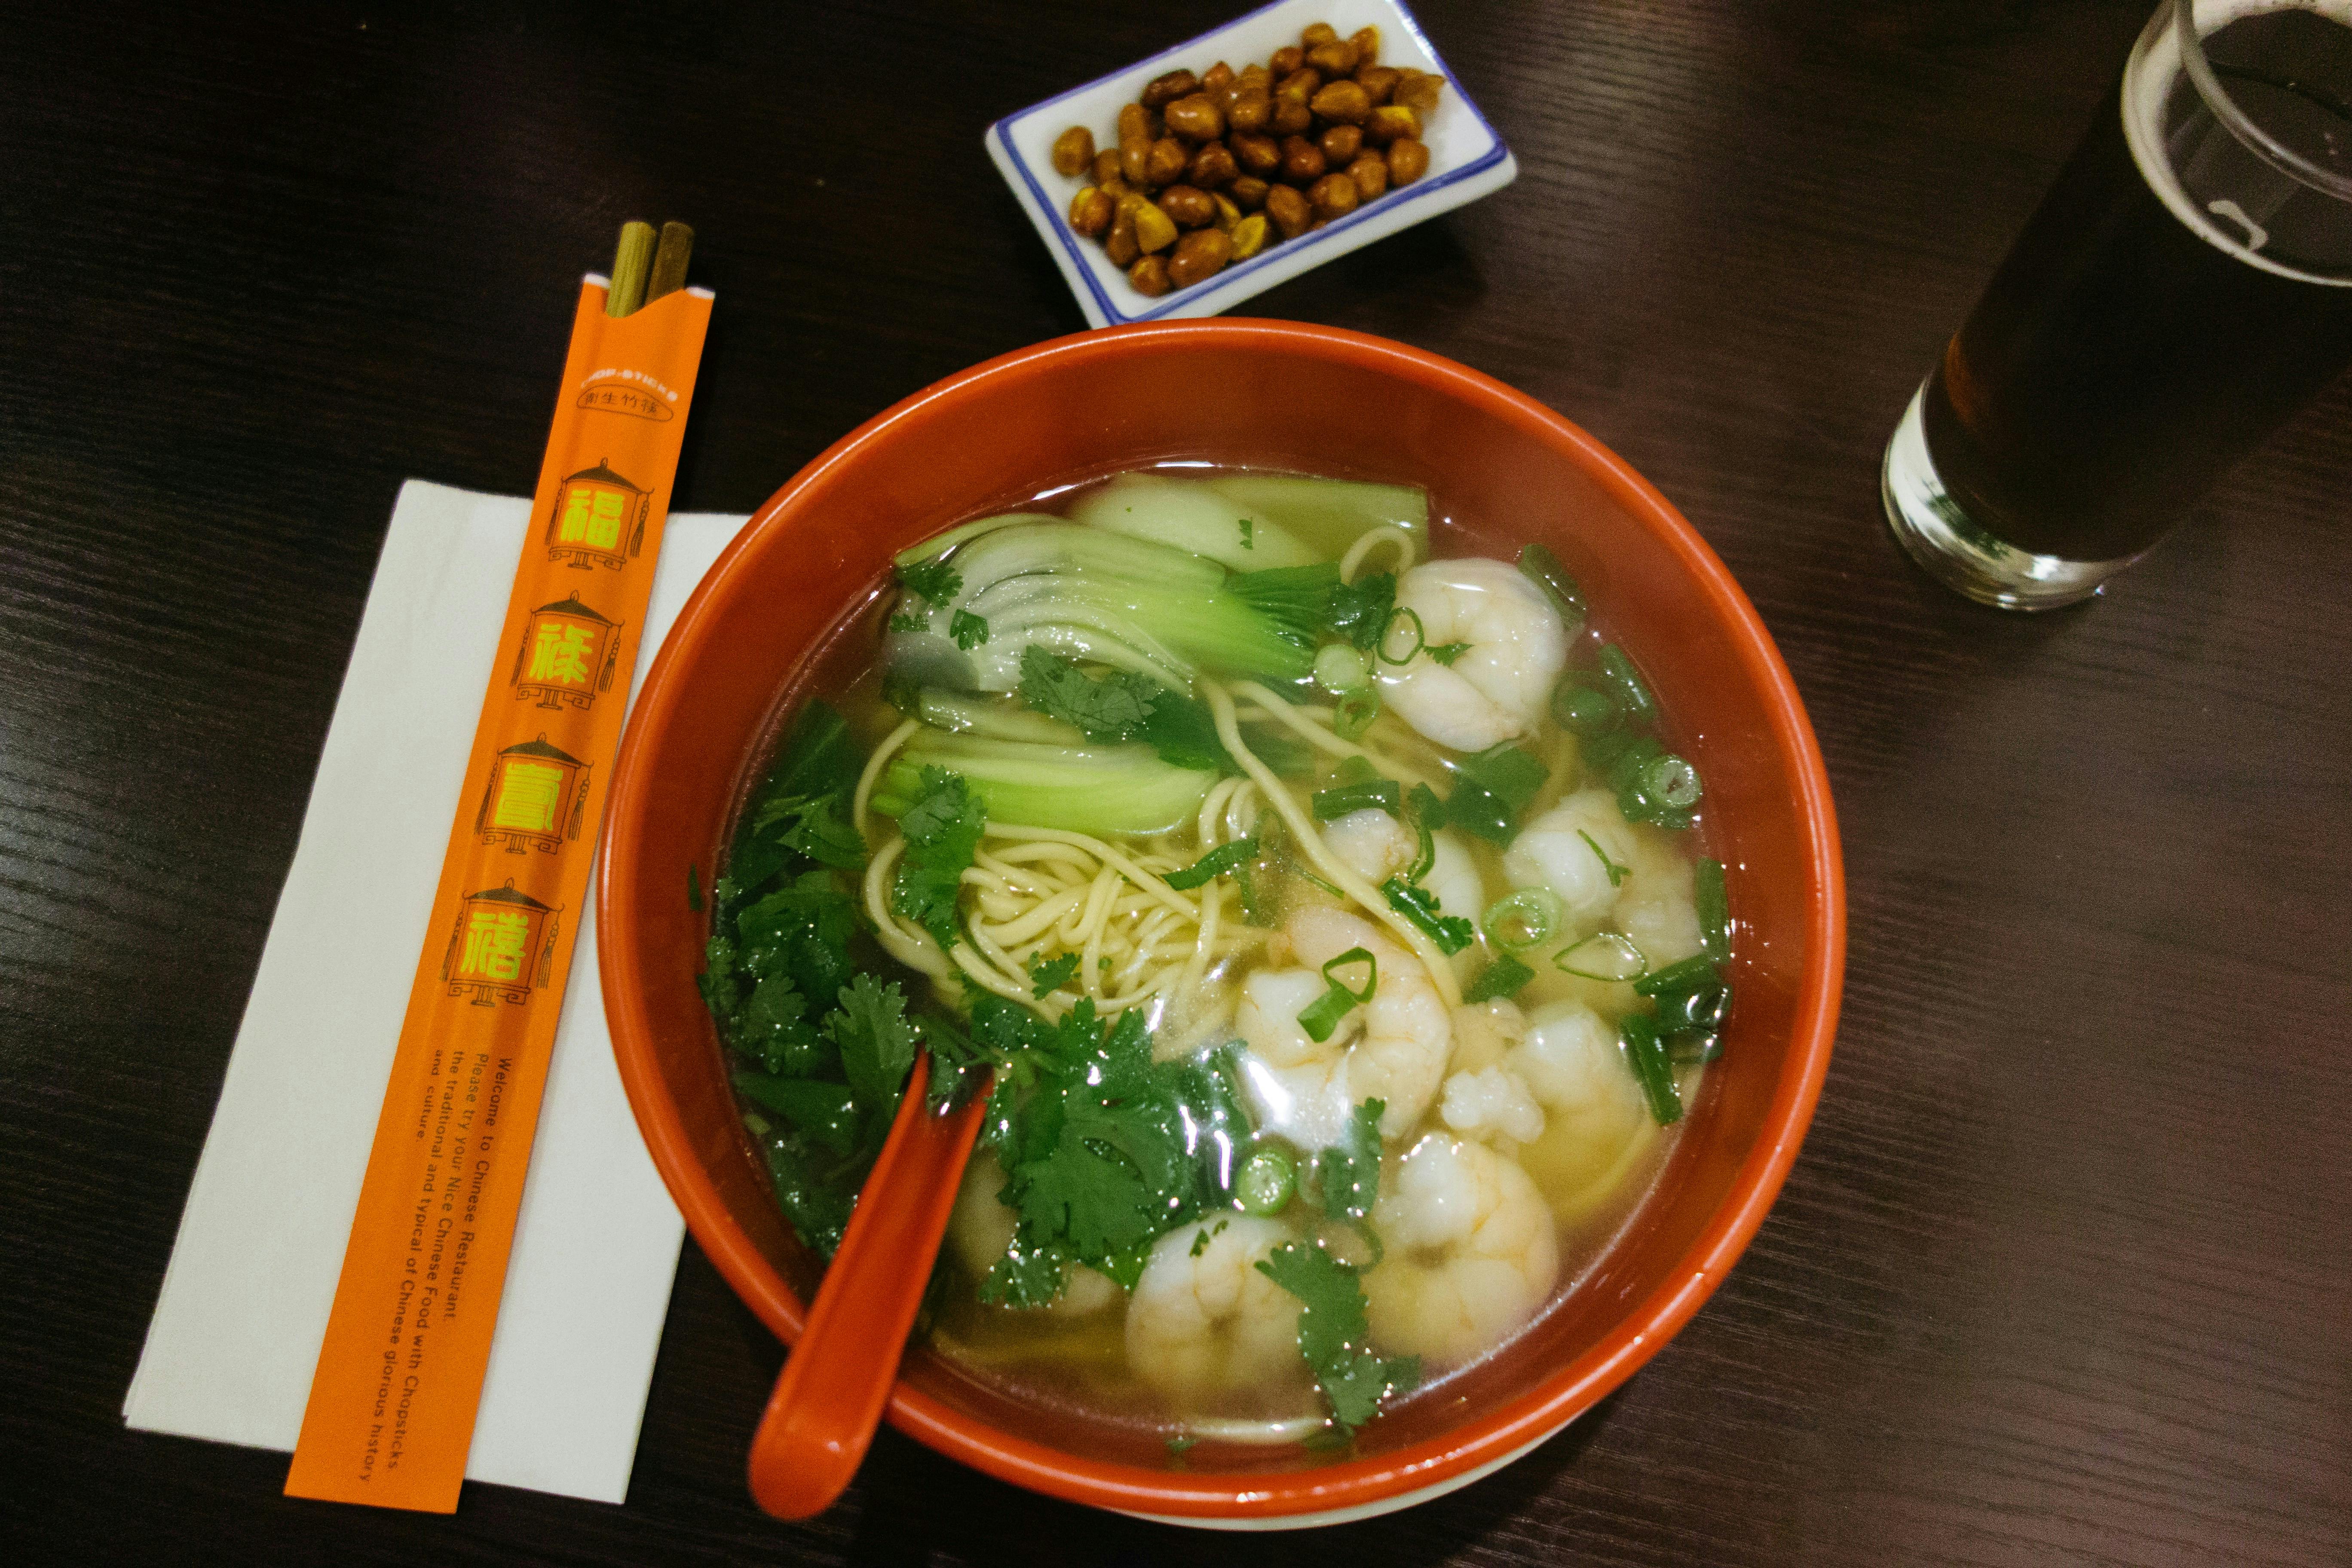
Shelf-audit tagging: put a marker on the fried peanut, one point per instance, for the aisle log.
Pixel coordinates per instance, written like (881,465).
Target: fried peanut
(1342,101)
(1378,83)
(1317,33)
(1199,255)
(1408,160)
(1090,211)
(1389,121)
(1162,90)
(1249,237)
(1228,215)
(1334,195)
(1154,229)
(1337,57)
(1302,162)
(1248,193)
(1134,159)
(1341,143)
(1252,110)
(1119,244)
(1189,205)
(1195,118)
(1216,79)
(1285,60)
(1291,118)
(1370,172)
(1260,155)
(1073,150)
(1107,165)
(1288,210)
(1368,45)
(1148,276)
(1212,167)
(1134,120)
(1166,165)
(1418,90)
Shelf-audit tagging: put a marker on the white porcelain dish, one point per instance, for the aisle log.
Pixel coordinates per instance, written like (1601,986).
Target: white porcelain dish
(1467,160)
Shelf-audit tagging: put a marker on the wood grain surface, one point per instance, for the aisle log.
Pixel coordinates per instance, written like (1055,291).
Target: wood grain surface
(2062,1274)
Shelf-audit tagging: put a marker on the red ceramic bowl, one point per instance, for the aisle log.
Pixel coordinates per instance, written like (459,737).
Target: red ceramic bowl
(1276,395)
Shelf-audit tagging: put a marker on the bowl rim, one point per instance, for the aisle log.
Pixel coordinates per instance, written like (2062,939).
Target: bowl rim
(1397,1475)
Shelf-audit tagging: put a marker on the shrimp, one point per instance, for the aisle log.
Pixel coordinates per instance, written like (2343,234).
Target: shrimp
(1482,1096)
(1571,849)
(1494,689)
(1375,846)
(1205,1320)
(1391,1049)
(1656,909)
(1471,1253)
(1596,1123)
(981,1228)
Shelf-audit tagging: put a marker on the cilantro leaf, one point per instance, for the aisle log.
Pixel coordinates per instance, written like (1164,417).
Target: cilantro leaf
(969,630)
(877,1043)
(825,1111)
(1051,975)
(1249,533)
(906,622)
(1112,709)
(1332,1328)
(1026,1277)
(1360,610)
(817,828)
(1446,652)
(933,580)
(1350,1168)
(942,827)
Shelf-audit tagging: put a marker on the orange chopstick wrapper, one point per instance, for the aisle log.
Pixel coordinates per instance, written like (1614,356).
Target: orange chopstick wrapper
(391,1416)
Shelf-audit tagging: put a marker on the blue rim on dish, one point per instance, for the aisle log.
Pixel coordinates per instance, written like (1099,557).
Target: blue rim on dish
(1067,238)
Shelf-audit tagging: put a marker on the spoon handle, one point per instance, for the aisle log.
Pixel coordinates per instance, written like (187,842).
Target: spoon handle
(837,1379)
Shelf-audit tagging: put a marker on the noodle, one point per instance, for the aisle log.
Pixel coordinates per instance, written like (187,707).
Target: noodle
(874,766)
(1316,736)
(1311,844)
(1373,540)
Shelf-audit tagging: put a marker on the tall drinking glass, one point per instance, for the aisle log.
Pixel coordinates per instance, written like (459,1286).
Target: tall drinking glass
(2185,285)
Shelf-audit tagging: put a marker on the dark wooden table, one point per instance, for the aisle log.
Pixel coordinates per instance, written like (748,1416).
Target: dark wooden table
(2063,1273)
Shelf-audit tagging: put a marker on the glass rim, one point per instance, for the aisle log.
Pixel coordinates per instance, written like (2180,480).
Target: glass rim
(2182,17)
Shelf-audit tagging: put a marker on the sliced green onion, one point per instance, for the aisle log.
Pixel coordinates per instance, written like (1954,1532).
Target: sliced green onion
(1544,570)
(1622,681)
(1355,955)
(1215,864)
(1699,1012)
(1581,711)
(1419,905)
(1420,636)
(1324,1016)
(1355,714)
(1617,873)
(1670,781)
(1647,1055)
(1265,1183)
(1528,917)
(1714,909)
(1341,670)
(1696,972)
(1503,977)
(1426,856)
(1335,1004)
(1446,652)
(1695,1050)
(1380,794)
(1605,955)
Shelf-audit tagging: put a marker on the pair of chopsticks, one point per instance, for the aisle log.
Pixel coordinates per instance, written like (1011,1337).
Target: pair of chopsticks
(644,268)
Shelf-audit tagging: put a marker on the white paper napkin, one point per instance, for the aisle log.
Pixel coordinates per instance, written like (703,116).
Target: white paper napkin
(245,1301)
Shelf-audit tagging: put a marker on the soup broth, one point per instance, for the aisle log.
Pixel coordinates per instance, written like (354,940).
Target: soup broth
(1316,899)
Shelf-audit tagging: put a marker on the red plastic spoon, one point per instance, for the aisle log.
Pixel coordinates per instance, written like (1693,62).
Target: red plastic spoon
(837,1379)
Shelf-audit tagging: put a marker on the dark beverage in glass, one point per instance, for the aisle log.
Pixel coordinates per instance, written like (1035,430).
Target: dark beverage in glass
(2184,287)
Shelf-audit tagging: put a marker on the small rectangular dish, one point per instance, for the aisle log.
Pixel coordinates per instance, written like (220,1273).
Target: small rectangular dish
(1467,160)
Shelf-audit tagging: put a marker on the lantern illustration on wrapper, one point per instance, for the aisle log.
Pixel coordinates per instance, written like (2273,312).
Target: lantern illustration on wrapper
(503,946)
(568,654)
(536,795)
(599,519)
